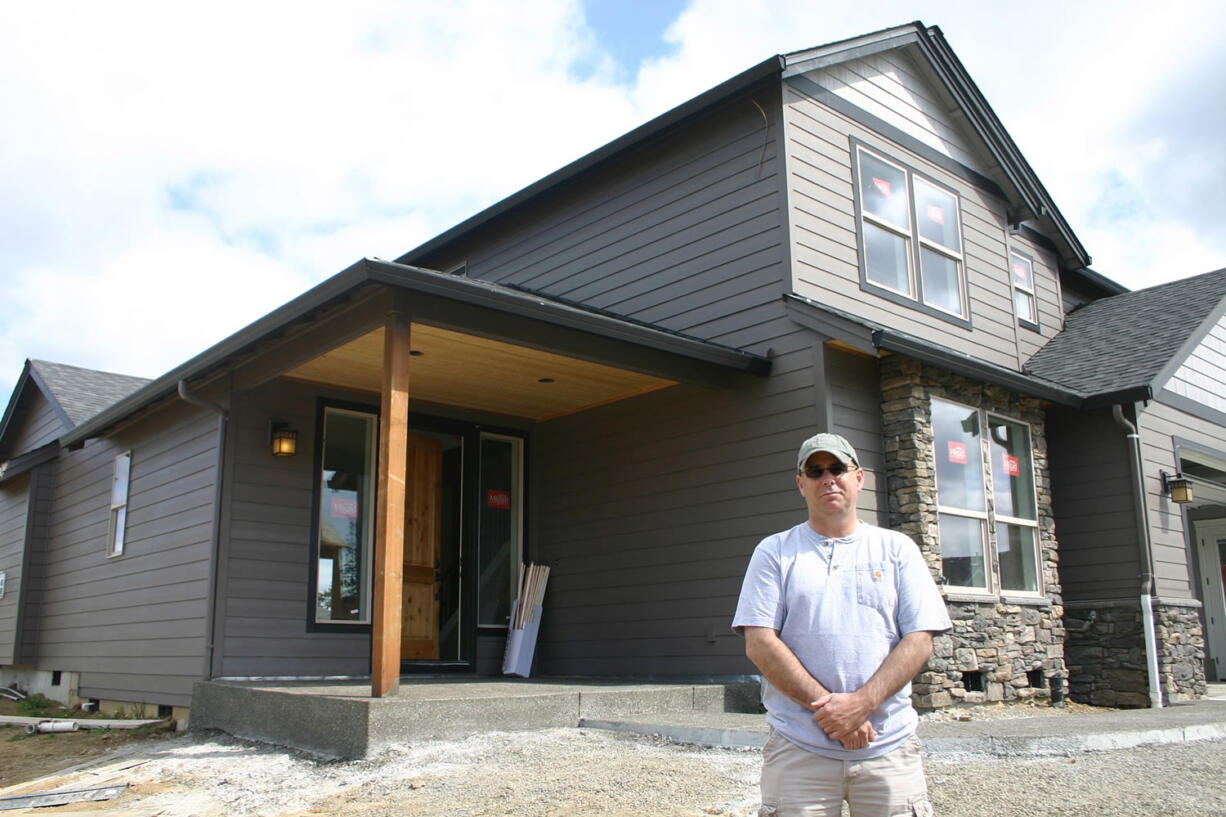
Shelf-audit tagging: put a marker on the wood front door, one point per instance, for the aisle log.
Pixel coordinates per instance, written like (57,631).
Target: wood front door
(423,516)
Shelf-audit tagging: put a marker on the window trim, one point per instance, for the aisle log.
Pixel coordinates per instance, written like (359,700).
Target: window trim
(989,517)
(117,516)
(1014,288)
(1001,519)
(520,443)
(952,510)
(915,241)
(313,624)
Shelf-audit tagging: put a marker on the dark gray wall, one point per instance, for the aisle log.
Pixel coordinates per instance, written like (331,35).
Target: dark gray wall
(648,511)
(266,547)
(1093,505)
(39,425)
(133,626)
(14,510)
(683,232)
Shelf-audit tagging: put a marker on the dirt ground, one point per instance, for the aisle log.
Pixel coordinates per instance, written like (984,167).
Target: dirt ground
(27,757)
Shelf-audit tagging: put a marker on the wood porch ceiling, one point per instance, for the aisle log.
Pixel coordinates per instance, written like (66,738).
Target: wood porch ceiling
(454,369)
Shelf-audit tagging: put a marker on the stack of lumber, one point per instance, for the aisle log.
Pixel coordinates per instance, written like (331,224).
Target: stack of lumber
(531,596)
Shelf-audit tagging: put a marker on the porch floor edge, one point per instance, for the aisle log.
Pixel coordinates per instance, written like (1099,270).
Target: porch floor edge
(341,720)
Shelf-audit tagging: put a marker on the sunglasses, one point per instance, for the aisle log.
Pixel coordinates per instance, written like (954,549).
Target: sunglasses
(837,470)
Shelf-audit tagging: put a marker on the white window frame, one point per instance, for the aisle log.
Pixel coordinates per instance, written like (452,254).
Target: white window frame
(1016,257)
(121,479)
(989,519)
(1000,519)
(983,517)
(912,236)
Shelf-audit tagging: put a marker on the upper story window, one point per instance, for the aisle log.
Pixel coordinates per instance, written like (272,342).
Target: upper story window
(987,516)
(911,237)
(119,504)
(1021,271)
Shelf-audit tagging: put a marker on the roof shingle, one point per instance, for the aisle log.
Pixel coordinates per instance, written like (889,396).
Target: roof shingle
(1126,341)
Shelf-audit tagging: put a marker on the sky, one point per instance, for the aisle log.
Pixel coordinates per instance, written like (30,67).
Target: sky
(169,172)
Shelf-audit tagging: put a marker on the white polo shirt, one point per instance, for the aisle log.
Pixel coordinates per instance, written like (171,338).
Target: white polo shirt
(840,605)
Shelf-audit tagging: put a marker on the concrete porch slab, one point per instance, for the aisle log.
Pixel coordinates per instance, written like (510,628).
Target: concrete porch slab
(341,720)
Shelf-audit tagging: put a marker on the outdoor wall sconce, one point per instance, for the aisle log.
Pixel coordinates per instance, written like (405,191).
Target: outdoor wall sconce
(282,439)
(1178,487)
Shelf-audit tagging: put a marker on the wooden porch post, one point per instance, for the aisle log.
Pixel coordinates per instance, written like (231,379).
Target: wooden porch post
(389,524)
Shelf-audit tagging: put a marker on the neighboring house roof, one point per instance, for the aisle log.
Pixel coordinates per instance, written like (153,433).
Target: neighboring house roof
(498,299)
(74,393)
(1026,191)
(1134,340)
(81,393)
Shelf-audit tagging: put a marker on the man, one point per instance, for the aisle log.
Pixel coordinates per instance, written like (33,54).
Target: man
(839,616)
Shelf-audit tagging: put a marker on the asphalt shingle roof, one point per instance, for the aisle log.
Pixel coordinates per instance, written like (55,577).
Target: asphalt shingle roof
(1125,341)
(82,393)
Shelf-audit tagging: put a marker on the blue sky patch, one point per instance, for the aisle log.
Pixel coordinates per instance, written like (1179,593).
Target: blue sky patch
(632,31)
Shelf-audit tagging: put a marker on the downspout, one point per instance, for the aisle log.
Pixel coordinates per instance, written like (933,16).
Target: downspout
(211,606)
(1147,555)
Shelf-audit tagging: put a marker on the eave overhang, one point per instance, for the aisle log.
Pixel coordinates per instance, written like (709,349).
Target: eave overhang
(873,339)
(467,298)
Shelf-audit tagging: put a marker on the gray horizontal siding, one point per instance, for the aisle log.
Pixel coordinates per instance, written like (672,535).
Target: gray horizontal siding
(14,511)
(1160,425)
(132,625)
(683,232)
(261,628)
(40,424)
(648,511)
(825,263)
(1093,506)
(890,86)
(855,396)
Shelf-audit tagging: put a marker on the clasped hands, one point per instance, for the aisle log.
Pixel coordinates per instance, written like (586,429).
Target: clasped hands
(843,716)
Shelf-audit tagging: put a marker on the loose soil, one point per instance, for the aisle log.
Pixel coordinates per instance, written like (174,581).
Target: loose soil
(27,757)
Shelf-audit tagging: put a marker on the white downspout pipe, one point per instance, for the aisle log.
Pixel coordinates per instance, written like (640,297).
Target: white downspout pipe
(1147,558)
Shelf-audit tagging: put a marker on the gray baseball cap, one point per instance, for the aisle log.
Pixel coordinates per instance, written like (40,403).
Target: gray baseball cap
(833,444)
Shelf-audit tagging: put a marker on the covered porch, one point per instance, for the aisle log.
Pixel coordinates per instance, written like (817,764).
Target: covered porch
(415,396)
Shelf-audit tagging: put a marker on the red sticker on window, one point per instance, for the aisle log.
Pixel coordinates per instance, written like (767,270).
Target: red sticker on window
(883,186)
(1019,272)
(935,213)
(495,498)
(1012,467)
(957,452)
(343,507)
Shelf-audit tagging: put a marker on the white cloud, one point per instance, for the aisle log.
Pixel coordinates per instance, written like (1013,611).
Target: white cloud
(170,172)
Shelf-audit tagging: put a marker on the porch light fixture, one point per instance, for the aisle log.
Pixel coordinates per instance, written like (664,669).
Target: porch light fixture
(282,439)
(1178,487)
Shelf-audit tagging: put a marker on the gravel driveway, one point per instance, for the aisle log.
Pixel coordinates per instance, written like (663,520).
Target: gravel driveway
(588,772)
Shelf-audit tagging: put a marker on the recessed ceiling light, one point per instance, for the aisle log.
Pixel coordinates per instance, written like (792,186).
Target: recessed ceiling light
(415,353)
(545,380)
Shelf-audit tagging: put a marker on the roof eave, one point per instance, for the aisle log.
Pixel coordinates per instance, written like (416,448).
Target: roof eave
(992,131)
(334,287)
(463,290)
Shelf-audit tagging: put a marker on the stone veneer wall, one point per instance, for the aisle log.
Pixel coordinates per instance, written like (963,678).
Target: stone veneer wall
(1004,638)
(1106,653)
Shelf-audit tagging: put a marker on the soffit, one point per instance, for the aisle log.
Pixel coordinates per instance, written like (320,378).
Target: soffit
(467,371)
